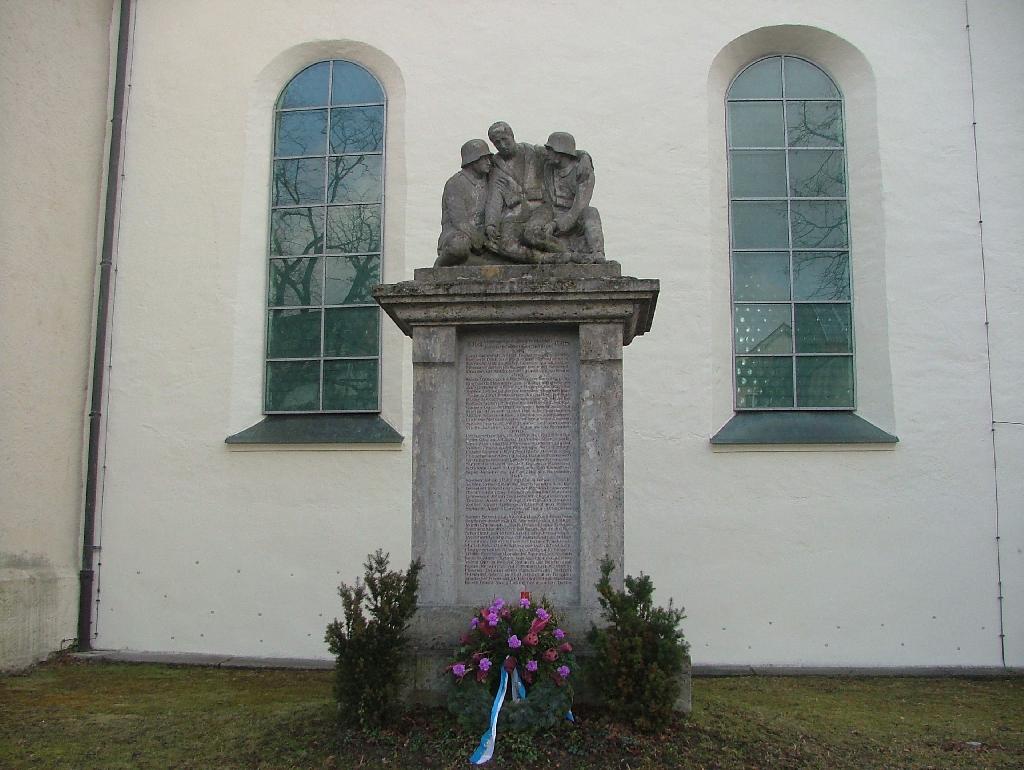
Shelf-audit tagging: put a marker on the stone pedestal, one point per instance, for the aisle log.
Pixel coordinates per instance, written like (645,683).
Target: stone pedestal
(517,437)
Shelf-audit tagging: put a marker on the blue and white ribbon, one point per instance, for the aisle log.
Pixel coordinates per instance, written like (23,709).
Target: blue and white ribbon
(518,688)
(485,750)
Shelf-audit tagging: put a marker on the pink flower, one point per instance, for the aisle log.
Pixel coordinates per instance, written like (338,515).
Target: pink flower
(549,655)
(510,664)
(566,647)
(531,639)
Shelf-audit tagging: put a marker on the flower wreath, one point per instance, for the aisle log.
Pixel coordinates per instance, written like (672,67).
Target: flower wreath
(530,646)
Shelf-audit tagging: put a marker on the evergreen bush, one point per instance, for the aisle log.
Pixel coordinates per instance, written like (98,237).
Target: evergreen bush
(640,655)
(371,642)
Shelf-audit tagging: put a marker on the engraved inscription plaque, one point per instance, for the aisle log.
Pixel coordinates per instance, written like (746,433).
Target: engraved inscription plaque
(518,464)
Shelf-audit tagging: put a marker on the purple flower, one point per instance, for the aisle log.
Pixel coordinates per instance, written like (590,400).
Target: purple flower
(524,602)
(531,665)
(514,643)
(559,634)
(459,669)
(498,603)
(474,622)
(492,619)
(542,613)
(485,664)
(563,671)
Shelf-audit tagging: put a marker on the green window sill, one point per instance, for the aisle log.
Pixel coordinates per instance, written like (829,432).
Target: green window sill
(800,428)
(318,429)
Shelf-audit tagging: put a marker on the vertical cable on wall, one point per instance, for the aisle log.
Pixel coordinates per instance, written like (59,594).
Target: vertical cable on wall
(988,343)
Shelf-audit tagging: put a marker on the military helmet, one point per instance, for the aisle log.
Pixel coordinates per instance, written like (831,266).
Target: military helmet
(562,142)
(473,150)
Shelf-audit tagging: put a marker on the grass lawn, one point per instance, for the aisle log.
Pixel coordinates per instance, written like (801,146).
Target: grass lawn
(102,715)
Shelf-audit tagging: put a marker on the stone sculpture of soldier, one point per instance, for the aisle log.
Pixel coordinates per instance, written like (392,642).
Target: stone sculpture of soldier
(575,225)
(462,207)
(527,204)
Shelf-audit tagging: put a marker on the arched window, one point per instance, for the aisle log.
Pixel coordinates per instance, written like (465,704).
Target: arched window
(327,201)
(792,311)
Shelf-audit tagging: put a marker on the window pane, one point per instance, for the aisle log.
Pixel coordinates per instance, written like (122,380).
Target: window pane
(294,232)
(293,334)
(756,124)
(823,275)
(757,225)
(351,331)
(805,81)
(355,179)
(823,328)
(350,384)
(354,85)
(819,224)
(760,275)
(298,181)
(817,173)
(301,133)
(353,229)
(764,382)
(814,124)
(757,173)
(824,381)
(763,328)
(357,129)
(295,282)
(293,386)
(762,80)
(349,279)
(308,88)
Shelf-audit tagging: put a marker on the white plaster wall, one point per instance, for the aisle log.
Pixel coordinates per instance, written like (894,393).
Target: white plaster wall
(54,59)
(996,26)
(831,556)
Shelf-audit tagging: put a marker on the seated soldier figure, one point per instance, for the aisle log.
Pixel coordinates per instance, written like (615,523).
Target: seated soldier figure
(514,193)
(567,223)
(462,207)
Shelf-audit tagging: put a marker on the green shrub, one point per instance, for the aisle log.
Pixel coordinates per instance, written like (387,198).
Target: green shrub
(370,650)
(639,655)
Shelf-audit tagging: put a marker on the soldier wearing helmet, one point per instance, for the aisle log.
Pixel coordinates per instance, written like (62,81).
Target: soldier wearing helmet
(462,207)
(568,216)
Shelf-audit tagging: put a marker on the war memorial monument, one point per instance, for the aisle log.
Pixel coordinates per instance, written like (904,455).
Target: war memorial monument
(517,333)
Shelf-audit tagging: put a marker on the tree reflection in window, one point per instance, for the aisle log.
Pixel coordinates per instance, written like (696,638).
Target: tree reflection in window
(789,231)
(325,243)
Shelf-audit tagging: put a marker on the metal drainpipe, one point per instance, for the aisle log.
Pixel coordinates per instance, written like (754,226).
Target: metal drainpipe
(99,362)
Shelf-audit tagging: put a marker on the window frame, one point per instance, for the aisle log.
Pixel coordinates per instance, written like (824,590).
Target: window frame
(791,250)
(323,253)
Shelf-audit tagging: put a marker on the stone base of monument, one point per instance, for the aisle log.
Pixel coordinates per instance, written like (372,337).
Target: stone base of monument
(517,440)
